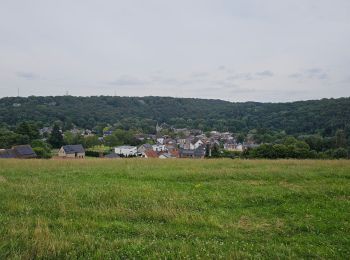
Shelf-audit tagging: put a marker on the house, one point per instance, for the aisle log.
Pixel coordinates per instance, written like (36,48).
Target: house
(7,153)
(198,153)
(230,147)
(19,152)
(181,141)
(188,145)
(150,154)
(175,153)
(247,146)
(45,131)
(170,147)
(159,148)
(126,150)
(239,147)
(87,133)
(160,140)
(144,147)
(112,156)
(197,143)
(166,156)
(72,151)
(107,132)
(24,152)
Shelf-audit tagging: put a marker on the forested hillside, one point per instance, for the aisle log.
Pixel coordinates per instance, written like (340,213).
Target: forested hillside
(304,117)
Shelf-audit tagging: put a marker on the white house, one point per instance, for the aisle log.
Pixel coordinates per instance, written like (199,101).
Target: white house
(126,150)
(198,144)
(160,140)
(239,147)
(159,147)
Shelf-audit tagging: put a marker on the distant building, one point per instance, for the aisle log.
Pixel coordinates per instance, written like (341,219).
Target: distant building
(126,150)
(45,131)
(72,151)
(18,152)
(158,147)
(112,156)
(160,140)
(144,147)
(149,154)
(198,153)
(166,156)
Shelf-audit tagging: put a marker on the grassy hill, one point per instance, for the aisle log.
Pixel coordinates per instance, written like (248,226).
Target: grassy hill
(316,116)
(174,209)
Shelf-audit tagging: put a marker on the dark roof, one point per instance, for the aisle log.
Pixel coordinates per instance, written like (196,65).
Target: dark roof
(186,152)
(76,148)
(112,156)
(199,152)
(24,151)
(147,146)
(7,153)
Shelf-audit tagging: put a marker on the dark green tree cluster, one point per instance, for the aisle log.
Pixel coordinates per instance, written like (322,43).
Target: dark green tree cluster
(313,147)
(322,117)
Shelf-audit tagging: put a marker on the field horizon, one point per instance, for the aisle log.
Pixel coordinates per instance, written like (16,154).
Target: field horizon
(134,208)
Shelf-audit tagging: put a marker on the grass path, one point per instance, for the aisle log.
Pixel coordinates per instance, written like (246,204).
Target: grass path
(137,208)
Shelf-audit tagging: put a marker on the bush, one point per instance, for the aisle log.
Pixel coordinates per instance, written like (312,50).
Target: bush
(340,153)
(42,152)
(42,149)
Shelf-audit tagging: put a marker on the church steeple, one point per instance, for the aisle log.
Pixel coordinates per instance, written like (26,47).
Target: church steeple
(158,128)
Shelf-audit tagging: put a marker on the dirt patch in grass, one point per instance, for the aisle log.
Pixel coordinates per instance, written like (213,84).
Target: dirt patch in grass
(290,186)
(256,182)
(2,179)
(251,224)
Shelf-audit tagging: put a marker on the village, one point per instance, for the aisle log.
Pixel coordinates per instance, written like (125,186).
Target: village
(166,143)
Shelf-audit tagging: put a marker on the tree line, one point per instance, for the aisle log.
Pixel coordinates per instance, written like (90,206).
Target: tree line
(321,117)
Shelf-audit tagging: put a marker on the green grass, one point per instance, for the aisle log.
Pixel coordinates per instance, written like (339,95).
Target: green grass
(137,208)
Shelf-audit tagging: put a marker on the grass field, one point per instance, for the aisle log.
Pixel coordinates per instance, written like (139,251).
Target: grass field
(136,208)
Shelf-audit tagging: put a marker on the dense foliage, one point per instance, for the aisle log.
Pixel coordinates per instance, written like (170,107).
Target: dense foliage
(323,117)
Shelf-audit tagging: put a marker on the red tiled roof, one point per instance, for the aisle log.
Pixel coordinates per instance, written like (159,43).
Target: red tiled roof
(151,154)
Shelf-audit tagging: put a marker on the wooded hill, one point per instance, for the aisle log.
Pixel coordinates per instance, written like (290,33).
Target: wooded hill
(303,117)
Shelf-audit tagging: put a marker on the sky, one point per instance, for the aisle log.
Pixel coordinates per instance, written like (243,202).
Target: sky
(235,50)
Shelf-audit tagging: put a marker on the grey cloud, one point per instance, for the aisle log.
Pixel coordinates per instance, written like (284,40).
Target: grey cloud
(296,75)
(28,75)
(313,73)
(199,74)
(265,73)
(251,76)
(126,80)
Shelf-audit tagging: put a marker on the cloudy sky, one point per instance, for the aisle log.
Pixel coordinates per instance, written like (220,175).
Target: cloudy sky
(237,50)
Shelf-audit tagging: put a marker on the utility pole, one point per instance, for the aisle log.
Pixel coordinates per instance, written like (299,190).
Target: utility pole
(17,92)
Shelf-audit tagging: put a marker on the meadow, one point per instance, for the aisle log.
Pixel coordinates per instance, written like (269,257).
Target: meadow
(138,208)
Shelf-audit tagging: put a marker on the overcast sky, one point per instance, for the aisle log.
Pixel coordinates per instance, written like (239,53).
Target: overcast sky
(237,50)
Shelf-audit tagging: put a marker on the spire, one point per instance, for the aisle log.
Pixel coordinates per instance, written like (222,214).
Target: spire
(158,128)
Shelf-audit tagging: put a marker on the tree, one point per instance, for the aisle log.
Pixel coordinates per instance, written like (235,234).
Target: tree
(9,138)
(41,148)
(340,139)
(340,153)
(28,129)
(56,138)
(215,152)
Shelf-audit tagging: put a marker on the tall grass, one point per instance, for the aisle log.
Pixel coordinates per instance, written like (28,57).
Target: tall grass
(136,208)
